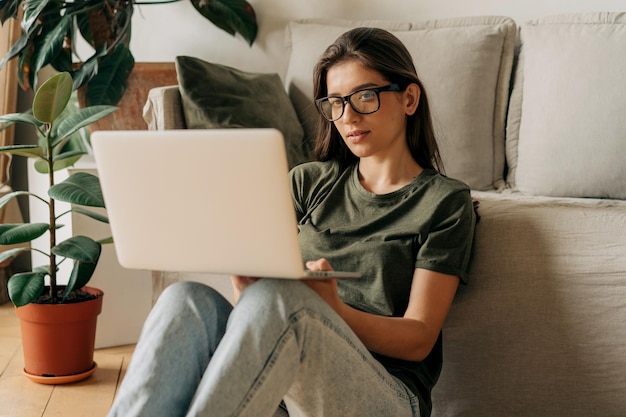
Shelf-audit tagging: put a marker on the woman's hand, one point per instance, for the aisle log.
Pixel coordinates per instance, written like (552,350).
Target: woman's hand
(325,288)
(240,283)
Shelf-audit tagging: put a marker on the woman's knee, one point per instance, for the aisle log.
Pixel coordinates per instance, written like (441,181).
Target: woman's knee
(195,296)
(270,297)
(184,290)
(268,290)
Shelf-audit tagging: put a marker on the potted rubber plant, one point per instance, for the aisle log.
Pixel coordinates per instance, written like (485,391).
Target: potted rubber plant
(50,30)
(56,319)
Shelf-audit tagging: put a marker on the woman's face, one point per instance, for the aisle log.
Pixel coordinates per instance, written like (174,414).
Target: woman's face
(380,134)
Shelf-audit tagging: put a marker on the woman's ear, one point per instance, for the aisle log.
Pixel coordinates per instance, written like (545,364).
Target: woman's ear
(412,98)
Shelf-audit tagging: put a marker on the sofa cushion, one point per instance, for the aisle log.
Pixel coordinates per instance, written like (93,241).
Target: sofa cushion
(465,65)
(217,96)
(540,329)
(566,130)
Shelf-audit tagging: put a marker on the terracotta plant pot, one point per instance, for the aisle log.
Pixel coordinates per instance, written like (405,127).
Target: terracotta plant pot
(58,339)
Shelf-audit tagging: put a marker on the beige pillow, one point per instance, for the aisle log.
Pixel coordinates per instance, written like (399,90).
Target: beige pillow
(567,124)
(465,64)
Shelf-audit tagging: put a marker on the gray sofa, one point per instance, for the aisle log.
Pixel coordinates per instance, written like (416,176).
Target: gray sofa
(531,115)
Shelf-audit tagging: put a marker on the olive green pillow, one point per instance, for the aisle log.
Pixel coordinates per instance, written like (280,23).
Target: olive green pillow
(217,96)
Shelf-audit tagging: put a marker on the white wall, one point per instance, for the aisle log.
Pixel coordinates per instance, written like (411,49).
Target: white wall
(161,32)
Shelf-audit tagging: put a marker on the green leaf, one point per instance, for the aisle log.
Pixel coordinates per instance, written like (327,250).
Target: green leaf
(52,97)
(12,234)
(62,161)
(109,84)
(25,77)
(80,276)
(88,69)
(83,25)
(9,9)
(52,43)
(11,253)
(79,248)
(8,197)
(41,166)
(91,214)
(16,49)
(30,151)
(82,118)
(72,156)
(64,139)
(25,288)
(232,16)
(32,10)
(26,118)
(62,61)
(79,188)
(42,269)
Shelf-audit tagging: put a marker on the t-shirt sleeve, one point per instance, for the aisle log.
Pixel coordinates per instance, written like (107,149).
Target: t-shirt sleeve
(296,180)
(447,246)
(310,182)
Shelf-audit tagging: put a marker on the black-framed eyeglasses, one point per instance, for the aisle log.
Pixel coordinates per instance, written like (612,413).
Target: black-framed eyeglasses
(365,101)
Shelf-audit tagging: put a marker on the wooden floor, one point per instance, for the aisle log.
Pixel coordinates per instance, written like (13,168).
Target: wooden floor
(20,397)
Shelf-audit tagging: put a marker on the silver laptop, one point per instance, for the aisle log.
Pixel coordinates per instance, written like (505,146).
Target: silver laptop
(194,200)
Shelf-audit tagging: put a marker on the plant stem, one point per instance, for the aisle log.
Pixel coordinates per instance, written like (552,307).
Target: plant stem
(52,229)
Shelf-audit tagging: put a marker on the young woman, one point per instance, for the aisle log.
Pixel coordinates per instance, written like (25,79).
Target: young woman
(373,202)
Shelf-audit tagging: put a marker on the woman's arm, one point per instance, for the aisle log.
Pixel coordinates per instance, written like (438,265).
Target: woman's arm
(410,337)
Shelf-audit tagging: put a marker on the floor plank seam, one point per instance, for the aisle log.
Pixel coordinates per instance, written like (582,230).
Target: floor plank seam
(17,351)
(45,407)
(120,372)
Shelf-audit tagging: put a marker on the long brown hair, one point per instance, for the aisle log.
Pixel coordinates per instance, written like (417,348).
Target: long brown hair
(383,52)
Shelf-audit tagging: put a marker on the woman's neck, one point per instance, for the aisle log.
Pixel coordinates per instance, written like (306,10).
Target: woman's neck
(386,176)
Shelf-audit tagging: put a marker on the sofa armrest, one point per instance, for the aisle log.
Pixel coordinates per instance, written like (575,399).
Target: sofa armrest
(163,109)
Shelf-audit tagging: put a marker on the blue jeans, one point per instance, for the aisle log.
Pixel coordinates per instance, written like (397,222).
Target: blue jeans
(199,356)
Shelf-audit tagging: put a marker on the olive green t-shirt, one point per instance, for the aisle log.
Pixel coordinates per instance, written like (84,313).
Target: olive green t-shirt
(429,223)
